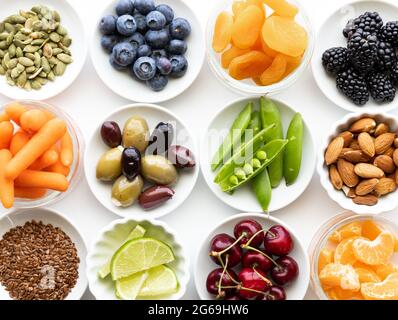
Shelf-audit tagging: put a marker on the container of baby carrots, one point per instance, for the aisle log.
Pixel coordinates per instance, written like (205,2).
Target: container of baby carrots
(41,150)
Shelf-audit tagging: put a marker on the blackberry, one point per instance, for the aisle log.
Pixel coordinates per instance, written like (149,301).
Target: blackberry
(380,87)
(370,22)
(389,33)
(353,85)
(386,56)
(394,74)
(335,59)
(362,51)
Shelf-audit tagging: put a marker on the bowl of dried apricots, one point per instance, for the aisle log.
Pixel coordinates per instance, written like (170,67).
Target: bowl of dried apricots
(259,46)
(355,258)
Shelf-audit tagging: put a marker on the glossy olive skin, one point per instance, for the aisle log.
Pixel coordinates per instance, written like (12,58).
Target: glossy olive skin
(161,138)
(155,196)
(125,192)
(111,134)
(135,133)
(158,170)
(131,163)
(181,157)
(109,166)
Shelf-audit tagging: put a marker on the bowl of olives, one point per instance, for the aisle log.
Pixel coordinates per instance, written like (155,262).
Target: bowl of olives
(140,161)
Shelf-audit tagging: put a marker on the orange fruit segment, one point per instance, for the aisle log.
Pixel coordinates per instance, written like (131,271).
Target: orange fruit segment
(230,54)
(282,8)
(275,71)
(247,27)
(326,256)
(353,229)
(249,65)
(285,36)
(374,252)
(344,253)
(339,275)
(384,270)
(386,290)
(340,294)
(367,275)
(370,229)
(222,31)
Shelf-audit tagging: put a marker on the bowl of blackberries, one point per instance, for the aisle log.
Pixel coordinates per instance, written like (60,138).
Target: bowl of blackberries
(147,51)
(356,63)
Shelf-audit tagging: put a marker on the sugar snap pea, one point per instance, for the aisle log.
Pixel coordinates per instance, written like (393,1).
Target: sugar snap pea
(294,149)
(263,190)
(235,133)
(255,123)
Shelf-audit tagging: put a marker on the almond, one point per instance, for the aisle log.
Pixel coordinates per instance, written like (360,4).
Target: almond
(368,171)
(385,163)
(366,186)
(395,157)
(355,145)
(389,152)
(381,128)
(363,125)
(385,186)
(347,173)
(355,156)
(368,200)
(366,144)
(343,151)
(347,136)
(335,177)
(396,142)
(384,142)
(333,151)
(349,192)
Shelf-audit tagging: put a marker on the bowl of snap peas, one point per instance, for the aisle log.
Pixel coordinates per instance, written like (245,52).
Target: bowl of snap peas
(258,155)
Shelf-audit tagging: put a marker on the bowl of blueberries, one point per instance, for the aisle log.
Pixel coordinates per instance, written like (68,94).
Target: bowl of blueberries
(147,51)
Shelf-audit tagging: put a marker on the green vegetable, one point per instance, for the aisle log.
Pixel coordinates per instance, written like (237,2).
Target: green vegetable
(293,150)
(263,190)
(270,115)
(235,133)
(254,125)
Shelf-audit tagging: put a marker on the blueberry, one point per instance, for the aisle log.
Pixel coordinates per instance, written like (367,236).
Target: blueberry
(179,66)
(164,65)
(180,29)
(158,82)
(124,54)
(145,68)
(177,47)
(136,40)
(145,6)
(144,51)
(156,54)
(141,22)
(109,41)
(115,64)
(167,12)
(126,25)
(124,7)
(155,20)
(157,39)
(107,25)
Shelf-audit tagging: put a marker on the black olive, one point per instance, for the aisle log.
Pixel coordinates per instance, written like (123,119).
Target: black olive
(111,134)
(161,138)
(131,163)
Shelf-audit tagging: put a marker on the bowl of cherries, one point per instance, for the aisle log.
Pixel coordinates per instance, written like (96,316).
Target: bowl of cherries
(252,257)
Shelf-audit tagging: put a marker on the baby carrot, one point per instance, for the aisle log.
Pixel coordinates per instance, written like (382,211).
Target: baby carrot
(42,179)
(47,159)
(58,167)
(47,136)
(33,120)
(15,111)
(29,193)
(66,150)
(18,141)
(4,117)
(6,185)
(6,133)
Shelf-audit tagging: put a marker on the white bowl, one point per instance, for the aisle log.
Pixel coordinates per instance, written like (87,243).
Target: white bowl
(121,82)
(331,35)
(204,265)
(96,147)
(386,203)
(113,236)
(244,198)
(71,20)
(57,219)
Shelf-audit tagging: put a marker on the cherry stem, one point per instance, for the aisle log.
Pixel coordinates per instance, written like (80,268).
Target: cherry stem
(251,239)
(220,253)
(222,275)
(223,265)
(262,253)
(262,277)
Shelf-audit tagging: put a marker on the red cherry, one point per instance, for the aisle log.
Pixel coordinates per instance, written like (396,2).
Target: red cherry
(249,228)
(252,279)
(285,271)
(220,243)
(274,293)
(234,297)
(213,281)
(253,259)
(278,241)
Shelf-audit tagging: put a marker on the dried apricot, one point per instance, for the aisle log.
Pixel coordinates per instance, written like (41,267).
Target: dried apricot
(386,290)
(275,72)
(292,64)
(326,256)
(247,27)
(268,51)
(238,6)
(222,31)
(285,35)
(259,4)
(249,65)
(374,252)
(258,45)
(230,54)
(282,8)
(340,275)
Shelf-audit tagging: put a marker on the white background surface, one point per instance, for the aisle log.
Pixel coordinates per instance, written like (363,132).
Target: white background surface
(88,101)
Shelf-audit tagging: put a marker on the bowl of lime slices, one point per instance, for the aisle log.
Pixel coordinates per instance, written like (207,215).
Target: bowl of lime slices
(137,260)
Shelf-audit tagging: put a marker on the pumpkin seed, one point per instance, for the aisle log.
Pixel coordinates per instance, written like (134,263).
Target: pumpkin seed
(31,49)
(19,52)
(21,80)
(15,73)
(36,85)
(57,51)
(34,75)
(37,42)
(15,19)
(42,80)
(56,16)
(47,50)
(36,9)
(9,27)
(37,59)
(2,71)
(53,61)
(1,27)
(4,36)
(62,31)
(45,65)
(25,61)
(64,58)
(30,69)
(12,50)
(51,76)
(12,63)
(2,54)
(27,86)
(10,38)
(66,41)
(60,68)
(65,49)
(3,45)
(9,80)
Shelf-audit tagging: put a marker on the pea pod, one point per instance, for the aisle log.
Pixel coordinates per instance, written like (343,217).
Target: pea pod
(255,123)
(235,133)
(267,154)
(270,115)
(263,190)
(293,150)
(244,154)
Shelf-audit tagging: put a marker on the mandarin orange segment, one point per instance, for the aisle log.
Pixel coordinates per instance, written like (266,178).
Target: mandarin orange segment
(367,275)
(249,65)
(374,252)
(230,54)
(247,27)
(337,293)
(292,64)
(222,31)
(350,230)
(238,6)
(285,35)
(384,270)
(370,229)
(275,71)
(340,275)
(282,8)
(344,253)
(326,256)
(386,290)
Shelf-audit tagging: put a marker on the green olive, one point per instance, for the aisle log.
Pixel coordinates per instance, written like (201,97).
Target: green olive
(125,192)
(158,169)
(136,133)
(109,166)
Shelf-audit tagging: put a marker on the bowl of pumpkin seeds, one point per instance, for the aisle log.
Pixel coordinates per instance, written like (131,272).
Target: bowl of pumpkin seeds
(42,48)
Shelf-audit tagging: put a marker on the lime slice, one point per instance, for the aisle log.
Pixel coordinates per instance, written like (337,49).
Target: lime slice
(138,232)
(128,288)
(139,255)
(160,281)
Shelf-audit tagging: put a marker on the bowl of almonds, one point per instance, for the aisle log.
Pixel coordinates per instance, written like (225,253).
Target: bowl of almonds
(358,163)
